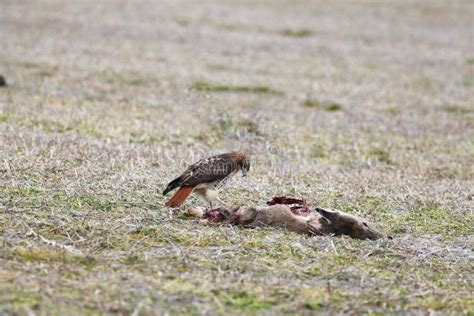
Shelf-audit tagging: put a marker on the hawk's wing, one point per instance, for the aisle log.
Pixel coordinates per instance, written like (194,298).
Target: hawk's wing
(204,171)
(209,170)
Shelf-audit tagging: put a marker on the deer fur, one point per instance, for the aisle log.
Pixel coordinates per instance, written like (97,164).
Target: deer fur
(322,221)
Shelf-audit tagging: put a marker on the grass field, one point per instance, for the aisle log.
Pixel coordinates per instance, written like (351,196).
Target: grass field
(365,106)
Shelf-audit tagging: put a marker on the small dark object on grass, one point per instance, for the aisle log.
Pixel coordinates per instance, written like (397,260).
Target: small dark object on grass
(3,81)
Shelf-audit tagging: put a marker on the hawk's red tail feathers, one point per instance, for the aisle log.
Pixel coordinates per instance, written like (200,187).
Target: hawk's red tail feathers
(179,197)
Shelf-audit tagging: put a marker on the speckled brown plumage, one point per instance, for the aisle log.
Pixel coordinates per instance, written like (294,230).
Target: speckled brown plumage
(206,177)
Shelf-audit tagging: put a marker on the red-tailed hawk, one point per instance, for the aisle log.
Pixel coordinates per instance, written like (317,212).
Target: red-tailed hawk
(206,177)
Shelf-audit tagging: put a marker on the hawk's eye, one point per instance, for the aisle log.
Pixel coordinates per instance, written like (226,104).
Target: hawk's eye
(365,224)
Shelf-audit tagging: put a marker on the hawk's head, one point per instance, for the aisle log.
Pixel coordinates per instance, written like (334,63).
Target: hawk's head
(242,161)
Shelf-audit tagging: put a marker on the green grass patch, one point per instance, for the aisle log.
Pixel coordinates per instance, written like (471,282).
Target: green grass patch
(380,154)
(332,107)
(207,87)
(327,106)
(248,126)
(18,299)
(23,254)
(5,117)
(457,109)
(31,192)
(46,73)
(29,65)
(90,130)
(447,172)
(435,219)
(132,260)
(297,33)
(49,126)
(125,79)
(317,151)
(227,125)
(80,202)
(393,110)
(312,306)
(244,300)
(468,82)
(138,138)
(136,81)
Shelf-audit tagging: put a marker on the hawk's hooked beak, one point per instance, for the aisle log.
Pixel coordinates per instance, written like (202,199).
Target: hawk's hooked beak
(244,172)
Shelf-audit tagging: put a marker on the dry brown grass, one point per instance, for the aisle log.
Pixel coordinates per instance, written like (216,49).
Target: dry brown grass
(102,111)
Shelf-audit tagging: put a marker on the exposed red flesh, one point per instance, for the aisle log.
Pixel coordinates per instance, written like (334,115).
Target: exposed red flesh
(297,206)
(220,215)
(216,215)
